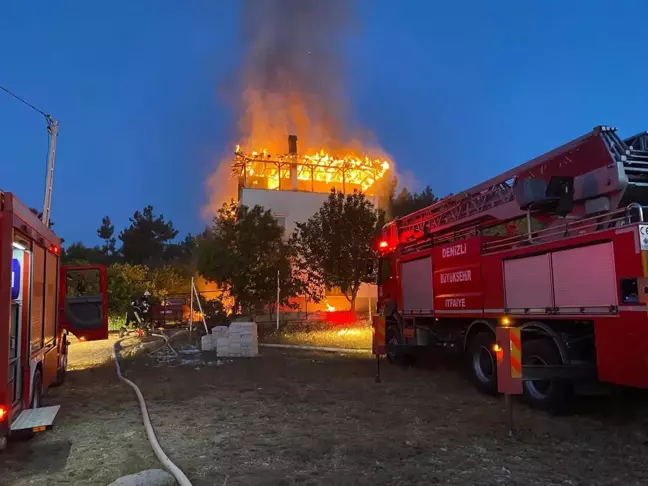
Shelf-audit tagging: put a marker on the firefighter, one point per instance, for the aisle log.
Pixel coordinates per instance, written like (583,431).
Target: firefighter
(138,315)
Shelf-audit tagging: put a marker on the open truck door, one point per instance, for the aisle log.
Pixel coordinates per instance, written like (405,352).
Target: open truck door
(83,301)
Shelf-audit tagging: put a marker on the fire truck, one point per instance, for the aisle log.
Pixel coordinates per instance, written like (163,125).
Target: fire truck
(557,247)
(43,302)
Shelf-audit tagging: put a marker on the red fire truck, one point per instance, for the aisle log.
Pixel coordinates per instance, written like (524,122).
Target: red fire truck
(43,302)
(557,247)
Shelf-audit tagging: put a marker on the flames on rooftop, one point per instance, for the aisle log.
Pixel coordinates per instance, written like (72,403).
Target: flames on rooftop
(318,171)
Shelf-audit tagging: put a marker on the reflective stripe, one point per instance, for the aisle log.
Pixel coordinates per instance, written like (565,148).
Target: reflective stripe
(516,353)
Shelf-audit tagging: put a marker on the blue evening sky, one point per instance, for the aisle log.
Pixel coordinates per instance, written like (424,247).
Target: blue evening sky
(456,91)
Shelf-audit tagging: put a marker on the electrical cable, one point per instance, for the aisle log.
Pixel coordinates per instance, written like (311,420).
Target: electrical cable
(10,93)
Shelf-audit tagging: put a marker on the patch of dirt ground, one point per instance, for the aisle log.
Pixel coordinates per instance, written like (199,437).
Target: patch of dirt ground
(289,418)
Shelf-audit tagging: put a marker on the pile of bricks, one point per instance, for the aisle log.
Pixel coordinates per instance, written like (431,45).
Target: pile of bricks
(238,340)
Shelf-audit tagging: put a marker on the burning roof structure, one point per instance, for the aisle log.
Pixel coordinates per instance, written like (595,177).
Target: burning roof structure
(311,172)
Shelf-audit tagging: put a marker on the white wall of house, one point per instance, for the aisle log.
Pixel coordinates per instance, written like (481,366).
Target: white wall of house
(294,206)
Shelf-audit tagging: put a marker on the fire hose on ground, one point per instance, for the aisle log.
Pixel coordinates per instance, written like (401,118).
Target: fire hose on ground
(157,449)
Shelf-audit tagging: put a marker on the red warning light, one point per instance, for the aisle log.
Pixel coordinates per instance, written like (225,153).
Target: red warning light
(3,413)
(383,244)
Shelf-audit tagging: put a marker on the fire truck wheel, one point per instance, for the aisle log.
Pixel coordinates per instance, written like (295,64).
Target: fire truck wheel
(62,371)
(554,396)
(482,364)
(37,390)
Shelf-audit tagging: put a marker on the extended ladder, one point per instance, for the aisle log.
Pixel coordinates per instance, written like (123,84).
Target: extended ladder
(495,198)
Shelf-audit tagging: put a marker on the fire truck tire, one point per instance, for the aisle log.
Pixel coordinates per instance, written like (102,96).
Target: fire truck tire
(481,361)
(554,396)
(392,335)
(62,371)
(37,390)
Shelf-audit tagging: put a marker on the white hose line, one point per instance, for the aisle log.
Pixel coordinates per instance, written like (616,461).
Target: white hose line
(166,462)
(167,344)
(316,348)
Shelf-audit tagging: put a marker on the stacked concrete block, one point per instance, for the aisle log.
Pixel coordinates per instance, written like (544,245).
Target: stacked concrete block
(241,341)
(238,340)
(207,343)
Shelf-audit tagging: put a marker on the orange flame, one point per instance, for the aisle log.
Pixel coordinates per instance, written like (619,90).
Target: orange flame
(265,171)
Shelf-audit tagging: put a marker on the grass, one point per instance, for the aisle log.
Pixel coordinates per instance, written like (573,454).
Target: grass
(355,336)
(116,322)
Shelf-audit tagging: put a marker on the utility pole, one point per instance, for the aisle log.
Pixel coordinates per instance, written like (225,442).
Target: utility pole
(52,129)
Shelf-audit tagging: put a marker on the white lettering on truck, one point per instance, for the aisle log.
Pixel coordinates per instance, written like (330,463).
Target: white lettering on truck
(454,277)
(454,251)
(455,303)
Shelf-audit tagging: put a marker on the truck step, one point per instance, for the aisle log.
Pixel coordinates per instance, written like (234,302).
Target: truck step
(35,419)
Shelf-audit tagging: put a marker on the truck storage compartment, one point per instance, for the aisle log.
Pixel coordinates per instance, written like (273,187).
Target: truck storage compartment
(417,285)
(584,277)
(528,283)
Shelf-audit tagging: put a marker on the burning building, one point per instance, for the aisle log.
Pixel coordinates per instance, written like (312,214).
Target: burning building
(291,81)
(294,186)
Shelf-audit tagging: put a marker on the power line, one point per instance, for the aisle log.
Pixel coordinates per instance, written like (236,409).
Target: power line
(23,101)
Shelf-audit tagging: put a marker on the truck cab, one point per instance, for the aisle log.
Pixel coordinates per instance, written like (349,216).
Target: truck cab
(44,302)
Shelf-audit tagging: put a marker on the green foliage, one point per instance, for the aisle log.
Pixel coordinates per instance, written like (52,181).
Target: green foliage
(106,232)
(79,254)
(335,246)
(242,253)
(407,202)
(146,238)
(165,281)
(124,282)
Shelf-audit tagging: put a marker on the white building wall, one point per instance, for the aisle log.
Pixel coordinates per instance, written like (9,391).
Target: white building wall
(294,206)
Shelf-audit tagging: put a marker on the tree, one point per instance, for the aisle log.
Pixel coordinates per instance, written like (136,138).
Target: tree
(106,232)
(167,281)
(242,253)
(79,254)
(407,202)
(336,243)
(124,282)
(146,238)
(182,251)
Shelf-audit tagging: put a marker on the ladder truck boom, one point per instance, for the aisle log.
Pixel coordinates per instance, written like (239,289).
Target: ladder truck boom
(599,154)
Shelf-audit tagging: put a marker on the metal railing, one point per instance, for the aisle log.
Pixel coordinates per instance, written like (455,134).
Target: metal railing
(594,224)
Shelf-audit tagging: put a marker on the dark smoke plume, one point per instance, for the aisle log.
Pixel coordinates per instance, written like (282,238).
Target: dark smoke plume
(293,72)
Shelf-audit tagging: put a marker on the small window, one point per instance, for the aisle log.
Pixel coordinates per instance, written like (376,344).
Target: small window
(83,283)
(629,291)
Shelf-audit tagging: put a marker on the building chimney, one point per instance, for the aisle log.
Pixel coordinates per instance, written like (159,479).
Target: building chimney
(292,150)
(292,144)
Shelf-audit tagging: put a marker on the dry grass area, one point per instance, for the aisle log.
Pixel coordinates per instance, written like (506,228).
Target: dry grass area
(353,337)
(302,418)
